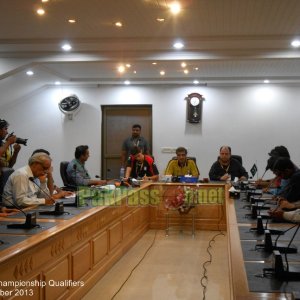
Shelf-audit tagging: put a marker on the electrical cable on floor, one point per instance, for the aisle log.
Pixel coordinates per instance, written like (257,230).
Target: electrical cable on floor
(204,279)
(135,266)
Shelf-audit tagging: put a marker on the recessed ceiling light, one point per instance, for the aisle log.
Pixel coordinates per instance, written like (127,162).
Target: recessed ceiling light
(295,43)
(162,72)
(45,1)
(266,81)
(72,21)
(160,19)
(57,82)
(127,82)
(121,69)
(40,11)
(186,71)
(30,73)
(154,63)
(195,82)
(175,8)
(183,65)
(134,72)
(66,47)
(118,24)
(128,65)
(178,45)
(196,68)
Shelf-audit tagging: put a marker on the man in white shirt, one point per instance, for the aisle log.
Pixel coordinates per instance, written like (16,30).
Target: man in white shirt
(20,188)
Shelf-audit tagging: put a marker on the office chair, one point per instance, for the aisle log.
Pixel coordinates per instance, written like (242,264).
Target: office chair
(68,183)
(238,158)
(5,173)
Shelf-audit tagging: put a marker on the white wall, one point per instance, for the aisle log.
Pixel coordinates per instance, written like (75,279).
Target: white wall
(251,119)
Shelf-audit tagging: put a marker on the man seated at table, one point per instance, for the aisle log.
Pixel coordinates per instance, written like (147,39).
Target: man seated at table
(226,167)
(275,185)
(141,166)
(76,169)
(24,187)
(182,165)
(285,168)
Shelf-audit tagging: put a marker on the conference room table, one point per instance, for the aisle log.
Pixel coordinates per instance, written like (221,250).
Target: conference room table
(67,254)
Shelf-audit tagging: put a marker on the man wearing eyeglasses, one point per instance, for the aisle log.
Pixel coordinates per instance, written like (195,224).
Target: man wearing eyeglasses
(24,188)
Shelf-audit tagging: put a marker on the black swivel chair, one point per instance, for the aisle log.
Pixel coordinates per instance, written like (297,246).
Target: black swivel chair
(238,158)
(68,183)
(5,173)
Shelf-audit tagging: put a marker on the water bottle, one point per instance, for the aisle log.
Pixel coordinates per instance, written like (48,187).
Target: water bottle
(122,172)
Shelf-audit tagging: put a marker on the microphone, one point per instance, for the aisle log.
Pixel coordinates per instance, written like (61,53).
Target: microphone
(30,221)
(268,245)
(59,206)
(280,271)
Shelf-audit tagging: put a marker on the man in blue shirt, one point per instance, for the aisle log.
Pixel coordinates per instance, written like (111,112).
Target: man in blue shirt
(76,169)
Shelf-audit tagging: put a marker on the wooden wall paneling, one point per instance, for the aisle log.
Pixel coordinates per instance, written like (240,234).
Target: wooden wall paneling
(81,261)
(100,247)
(53,277)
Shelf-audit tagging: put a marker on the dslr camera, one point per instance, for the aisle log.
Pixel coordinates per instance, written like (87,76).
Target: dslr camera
(19,140)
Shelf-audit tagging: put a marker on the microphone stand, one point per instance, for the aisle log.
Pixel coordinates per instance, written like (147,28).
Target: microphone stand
(59,206)
(268,246)
(284,273)
(30,219)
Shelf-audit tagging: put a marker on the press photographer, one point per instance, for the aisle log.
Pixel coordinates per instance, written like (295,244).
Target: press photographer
(9,146)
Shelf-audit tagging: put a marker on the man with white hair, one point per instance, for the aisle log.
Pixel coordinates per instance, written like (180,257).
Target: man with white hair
(23,187)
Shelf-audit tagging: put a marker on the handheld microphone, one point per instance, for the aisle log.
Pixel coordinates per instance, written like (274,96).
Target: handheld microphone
(59,206)
(30,221)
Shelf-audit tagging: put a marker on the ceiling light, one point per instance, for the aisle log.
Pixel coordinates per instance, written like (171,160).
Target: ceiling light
(118,24)
(66,47)
(175,8)
(195,82)
(183,64)
(30,73)
(134,72)
(186,71)
(57,82)
(160,19)
(295,43)
(72,21)
(154,63)
(196,68)
(162,72)
(121,69)
(45,0)
(128,65)
(178,45)
(40,11)
(266,81)
(127,82)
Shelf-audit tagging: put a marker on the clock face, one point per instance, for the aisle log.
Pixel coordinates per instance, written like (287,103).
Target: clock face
(69,104)
(194,101)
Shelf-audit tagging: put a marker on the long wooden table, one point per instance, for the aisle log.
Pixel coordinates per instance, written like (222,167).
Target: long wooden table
(66,260)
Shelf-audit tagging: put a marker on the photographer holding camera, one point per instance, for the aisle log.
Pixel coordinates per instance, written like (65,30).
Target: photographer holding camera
(9,147)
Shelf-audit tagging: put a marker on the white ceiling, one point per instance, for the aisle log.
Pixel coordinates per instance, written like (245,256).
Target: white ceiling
(229,41)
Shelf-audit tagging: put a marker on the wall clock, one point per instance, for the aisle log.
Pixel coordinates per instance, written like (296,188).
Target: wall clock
(194,107)
(69,105)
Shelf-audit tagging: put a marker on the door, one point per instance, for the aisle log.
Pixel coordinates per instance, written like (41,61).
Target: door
(117,121)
